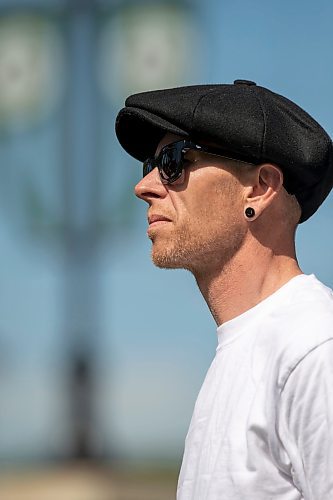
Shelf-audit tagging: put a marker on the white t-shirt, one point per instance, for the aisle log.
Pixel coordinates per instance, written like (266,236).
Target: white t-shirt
(262,426)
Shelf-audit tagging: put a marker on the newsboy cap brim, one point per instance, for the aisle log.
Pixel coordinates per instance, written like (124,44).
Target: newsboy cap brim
(139,131)
(248,122)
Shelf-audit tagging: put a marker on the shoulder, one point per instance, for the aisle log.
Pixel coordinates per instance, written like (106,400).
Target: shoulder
(302,322)
(307,314)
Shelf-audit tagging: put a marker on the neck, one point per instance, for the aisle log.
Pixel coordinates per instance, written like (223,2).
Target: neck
(244,281)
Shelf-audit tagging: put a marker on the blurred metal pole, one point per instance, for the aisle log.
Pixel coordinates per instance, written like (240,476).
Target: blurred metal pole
(81,246)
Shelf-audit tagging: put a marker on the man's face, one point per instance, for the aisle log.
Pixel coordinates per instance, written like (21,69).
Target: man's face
(198,224)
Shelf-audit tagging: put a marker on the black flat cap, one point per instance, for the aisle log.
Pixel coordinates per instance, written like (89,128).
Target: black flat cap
(248,122)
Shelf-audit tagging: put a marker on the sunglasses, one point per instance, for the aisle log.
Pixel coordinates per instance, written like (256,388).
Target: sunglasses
(171,160)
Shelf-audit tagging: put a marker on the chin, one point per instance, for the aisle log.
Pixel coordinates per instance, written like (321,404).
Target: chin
(171,258)
(166,259)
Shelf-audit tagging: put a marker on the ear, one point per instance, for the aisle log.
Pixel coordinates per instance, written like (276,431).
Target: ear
(266,183)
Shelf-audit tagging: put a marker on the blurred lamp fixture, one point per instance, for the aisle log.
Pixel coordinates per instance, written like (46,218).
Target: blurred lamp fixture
(31,68)
(144,47)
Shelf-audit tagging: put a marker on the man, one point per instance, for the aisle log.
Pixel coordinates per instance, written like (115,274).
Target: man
(229,172)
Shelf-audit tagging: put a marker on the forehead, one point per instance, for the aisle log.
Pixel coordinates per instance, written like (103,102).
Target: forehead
(168,139)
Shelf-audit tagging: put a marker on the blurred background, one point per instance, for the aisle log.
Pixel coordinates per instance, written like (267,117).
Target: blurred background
(101,354)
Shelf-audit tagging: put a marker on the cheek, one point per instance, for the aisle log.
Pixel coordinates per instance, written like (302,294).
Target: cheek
(210,198)
(201,214)
(222,203)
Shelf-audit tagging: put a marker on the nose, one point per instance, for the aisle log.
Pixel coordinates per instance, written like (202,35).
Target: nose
(150,187)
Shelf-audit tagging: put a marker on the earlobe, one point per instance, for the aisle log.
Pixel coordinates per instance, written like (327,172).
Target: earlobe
(250,213)
(265,187)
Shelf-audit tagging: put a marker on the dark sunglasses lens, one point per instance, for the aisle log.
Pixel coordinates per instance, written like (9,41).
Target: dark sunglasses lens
(148,166)
(171,164)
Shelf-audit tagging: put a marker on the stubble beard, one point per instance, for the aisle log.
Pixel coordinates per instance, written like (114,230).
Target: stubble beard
(175,252)
(197,253)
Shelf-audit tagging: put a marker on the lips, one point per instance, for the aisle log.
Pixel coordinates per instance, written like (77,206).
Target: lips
(157,218)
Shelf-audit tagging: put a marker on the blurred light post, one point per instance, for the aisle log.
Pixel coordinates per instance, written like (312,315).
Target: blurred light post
(81,237)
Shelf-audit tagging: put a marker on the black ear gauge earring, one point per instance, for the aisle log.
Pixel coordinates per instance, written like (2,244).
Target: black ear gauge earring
(250,212)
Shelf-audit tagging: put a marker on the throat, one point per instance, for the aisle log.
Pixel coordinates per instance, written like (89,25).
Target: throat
(237,288)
